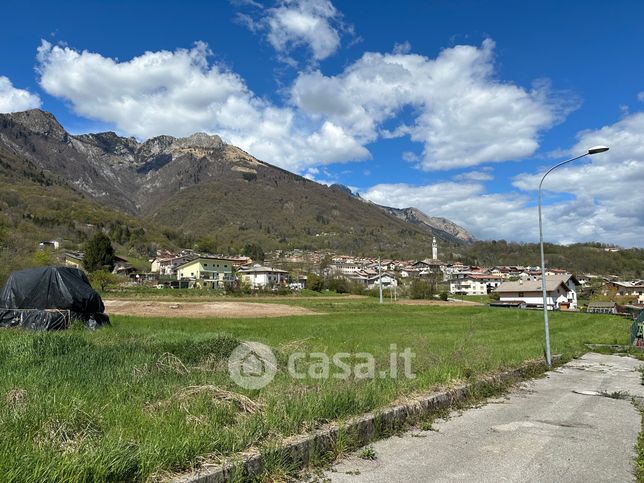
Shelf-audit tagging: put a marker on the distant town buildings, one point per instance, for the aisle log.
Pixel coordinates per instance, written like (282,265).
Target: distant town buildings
(260,277)
(474,284)
(207,272)
(561,292)
(633,288)
(514,286)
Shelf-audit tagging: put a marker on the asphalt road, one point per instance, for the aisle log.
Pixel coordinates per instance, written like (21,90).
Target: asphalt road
(564,427)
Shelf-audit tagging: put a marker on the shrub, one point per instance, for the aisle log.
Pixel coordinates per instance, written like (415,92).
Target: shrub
(338,284)
(422,289)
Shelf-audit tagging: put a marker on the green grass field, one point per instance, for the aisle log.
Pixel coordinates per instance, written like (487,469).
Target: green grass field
(146,397)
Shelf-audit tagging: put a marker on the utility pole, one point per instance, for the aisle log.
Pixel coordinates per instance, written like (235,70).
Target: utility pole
(380,279)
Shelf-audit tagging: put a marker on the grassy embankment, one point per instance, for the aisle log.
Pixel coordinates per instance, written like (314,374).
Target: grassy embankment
(113,404)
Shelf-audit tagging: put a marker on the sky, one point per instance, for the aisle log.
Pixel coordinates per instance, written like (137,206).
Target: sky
(454,107)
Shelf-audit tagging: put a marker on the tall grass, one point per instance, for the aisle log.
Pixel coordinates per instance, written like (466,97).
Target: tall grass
(113,404)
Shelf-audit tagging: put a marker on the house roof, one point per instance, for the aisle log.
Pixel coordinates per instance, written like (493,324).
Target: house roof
(633,284)
(81,255)
(190,262)
(480,276)
(601,305)
(552,283)
(428,261)
(377,277)
(260,269)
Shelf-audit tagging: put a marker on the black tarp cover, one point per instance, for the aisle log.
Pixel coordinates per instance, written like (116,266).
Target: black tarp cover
(45,288)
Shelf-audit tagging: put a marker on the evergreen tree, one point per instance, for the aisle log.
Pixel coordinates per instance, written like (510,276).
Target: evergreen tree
(99,254)
(255,252)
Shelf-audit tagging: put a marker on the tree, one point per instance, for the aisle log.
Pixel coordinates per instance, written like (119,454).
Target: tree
(206,245)
(314,282)
(326,262)
(103,279)
(43,257)
(254,251)
(99,254)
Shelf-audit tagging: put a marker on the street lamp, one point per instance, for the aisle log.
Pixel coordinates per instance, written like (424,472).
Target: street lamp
(591,151)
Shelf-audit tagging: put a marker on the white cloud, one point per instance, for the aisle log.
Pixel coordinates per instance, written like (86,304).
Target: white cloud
(409,156)
(640,96)
(402,48)
(462,114)
(13,99)
(304,22)
(179,93)
(482,175)
(606,189)
(487,216)
(314,25)
(606,186)
(452,104)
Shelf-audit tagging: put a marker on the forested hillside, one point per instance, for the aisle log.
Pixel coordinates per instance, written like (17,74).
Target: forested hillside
(594,258)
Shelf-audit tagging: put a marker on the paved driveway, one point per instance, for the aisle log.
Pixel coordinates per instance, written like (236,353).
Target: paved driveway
(564,427)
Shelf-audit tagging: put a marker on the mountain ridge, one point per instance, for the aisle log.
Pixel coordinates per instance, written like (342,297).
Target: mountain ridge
(416,216)
(200,184)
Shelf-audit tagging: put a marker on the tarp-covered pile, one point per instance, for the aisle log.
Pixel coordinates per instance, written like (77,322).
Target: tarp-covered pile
(49,298)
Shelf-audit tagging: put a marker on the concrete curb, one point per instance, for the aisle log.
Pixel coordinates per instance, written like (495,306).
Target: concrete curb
(297,451)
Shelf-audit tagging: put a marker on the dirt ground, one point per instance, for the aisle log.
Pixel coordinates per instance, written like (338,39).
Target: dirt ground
(199,310)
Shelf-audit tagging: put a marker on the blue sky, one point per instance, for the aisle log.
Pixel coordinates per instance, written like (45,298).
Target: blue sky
(454,107)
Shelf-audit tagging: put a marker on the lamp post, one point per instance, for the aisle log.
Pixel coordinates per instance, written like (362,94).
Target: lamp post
(591,151)
(379,279)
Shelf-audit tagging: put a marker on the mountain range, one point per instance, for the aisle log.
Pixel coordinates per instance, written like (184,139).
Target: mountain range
(200,187)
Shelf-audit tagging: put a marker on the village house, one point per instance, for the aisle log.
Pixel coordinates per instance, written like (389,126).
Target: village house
(386,279)
(168,265)
(475,284)
(51,244)
(602,308)
(429,266)
(561,292)
(75,260)
(370,279)
(634,288)
(408,271)
(123,267)
(259,277)
(508,271)
(207,272)
(346,266)
(239,261)
(556,271)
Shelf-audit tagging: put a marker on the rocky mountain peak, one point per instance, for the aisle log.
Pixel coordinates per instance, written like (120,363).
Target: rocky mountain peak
(39,122)
(342,189)
(111,143)
(200,140)
(156,145)
(199,182)
(416,217)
